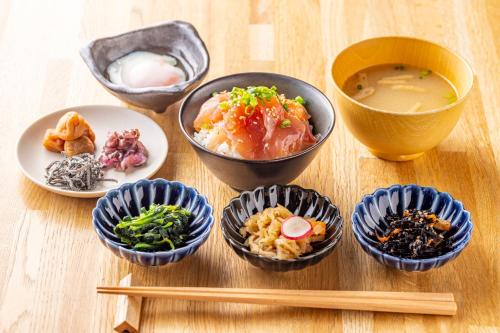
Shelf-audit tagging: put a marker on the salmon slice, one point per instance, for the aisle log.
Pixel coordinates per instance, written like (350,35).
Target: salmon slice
(293,133)
(270,131)
(211,112)
(245,131)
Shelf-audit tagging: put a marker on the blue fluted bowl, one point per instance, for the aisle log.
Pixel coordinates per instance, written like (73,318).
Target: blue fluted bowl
(127,201)
(299,201)
(369,215)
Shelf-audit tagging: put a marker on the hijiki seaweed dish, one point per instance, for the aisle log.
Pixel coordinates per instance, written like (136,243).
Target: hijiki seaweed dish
(416,234)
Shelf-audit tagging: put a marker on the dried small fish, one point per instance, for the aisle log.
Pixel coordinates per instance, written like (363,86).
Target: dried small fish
(417,234)
(76,173)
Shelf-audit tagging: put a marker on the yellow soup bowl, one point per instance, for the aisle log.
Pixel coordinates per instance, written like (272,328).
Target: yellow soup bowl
(400,136)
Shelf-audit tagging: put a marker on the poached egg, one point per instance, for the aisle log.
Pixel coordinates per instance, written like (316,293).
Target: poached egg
(141,69)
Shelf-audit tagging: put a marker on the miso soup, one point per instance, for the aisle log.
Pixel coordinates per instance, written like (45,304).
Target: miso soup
(400,88)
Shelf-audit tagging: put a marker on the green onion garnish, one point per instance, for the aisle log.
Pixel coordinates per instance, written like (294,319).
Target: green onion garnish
(224,105)
(451,97)
(424,73)
(286,123)
(251,95)
(300,100)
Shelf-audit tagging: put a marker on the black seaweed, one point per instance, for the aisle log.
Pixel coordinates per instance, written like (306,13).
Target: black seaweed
(418,234)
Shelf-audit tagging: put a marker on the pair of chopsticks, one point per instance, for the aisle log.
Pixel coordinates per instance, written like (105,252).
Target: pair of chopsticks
(402,302)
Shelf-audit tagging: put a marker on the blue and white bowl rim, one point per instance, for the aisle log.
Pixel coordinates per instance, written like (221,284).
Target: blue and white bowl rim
(445,256)
(156,253)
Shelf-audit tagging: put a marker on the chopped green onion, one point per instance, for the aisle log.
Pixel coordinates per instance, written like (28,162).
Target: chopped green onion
(300,100)
(285,106)
(286,123)
(424,73)
(451,97)
(206,126)
(251,95)
(224,105)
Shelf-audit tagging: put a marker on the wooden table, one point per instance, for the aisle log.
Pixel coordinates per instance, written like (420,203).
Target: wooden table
(51,260)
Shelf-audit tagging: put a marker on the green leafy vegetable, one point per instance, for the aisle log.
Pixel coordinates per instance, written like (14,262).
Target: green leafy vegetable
(286,123)
(285,106)
(159,228)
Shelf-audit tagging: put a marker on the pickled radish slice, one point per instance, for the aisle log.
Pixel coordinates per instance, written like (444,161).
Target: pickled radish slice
(296,227)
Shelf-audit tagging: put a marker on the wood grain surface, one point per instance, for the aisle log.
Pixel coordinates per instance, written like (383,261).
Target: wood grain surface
(51,260)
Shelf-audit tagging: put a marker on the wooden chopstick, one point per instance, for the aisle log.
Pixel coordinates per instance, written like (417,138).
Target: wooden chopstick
(403,302)
(418,296)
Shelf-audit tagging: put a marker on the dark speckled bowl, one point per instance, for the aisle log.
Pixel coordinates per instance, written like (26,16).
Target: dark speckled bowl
(299,201)
(175,38)
(244,174)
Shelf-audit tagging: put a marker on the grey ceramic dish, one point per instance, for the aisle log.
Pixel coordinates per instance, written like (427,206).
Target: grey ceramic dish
(175,38)
(243,174)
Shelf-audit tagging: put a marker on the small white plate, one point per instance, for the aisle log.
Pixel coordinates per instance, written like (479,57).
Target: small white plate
(33,157)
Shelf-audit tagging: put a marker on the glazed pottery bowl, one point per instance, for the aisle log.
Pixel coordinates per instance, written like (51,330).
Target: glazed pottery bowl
(128,199)
(369,216)
(300,202)
(400,136)
(174,38)
(244,174)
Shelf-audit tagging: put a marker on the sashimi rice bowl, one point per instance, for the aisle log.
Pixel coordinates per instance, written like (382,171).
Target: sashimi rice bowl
(255,129)
(255,123)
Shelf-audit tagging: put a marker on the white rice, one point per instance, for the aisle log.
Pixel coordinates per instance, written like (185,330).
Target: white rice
(205,136)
